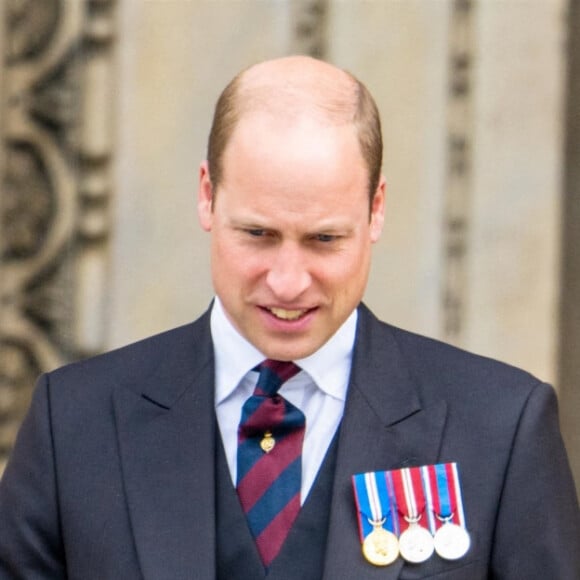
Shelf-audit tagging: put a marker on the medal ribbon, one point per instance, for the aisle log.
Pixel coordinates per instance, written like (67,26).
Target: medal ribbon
(447,501)
(373,501)
(429,499)
(408,486)
(393,500)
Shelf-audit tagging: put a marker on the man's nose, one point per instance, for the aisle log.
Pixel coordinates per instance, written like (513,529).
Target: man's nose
(288,276)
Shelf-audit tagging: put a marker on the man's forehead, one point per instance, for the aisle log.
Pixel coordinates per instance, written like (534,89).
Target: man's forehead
(307,138)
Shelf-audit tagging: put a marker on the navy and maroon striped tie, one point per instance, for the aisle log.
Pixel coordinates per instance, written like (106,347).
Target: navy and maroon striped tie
(270,439)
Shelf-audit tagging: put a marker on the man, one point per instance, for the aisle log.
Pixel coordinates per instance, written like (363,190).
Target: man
(131,465)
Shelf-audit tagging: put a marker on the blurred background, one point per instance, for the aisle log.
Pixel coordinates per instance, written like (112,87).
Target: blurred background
(105,107)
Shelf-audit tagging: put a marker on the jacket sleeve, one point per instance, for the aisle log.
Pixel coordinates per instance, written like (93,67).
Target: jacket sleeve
(538,522)
(30,538)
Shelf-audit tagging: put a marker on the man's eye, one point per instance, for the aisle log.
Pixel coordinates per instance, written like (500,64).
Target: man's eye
(325,238)
(256,233)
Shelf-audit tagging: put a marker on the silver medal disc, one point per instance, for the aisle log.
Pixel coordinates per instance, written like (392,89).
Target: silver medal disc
(416,544)
(451,541)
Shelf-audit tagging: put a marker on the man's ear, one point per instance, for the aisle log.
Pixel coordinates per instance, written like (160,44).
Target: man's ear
(205,198)
(378,210)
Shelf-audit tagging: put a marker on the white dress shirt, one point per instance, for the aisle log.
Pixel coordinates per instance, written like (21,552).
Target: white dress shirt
(319,391)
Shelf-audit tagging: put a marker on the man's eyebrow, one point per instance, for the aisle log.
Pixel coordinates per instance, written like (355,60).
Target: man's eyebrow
(249,222)
(333,227)
(324,227)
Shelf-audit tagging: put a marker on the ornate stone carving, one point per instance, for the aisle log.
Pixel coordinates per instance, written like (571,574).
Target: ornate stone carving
(457,202)
(309,26)
(55,152)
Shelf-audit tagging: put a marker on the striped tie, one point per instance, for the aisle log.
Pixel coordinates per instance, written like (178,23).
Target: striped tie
(270,439)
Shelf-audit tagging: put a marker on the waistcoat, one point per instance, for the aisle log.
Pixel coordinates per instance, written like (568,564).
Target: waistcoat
(303,552)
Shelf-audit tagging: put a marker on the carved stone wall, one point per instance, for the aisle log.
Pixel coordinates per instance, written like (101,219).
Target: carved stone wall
(459,151)
(55,147)
(309,24)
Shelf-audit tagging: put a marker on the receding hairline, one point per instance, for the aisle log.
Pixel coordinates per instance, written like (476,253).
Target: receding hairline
(298,86)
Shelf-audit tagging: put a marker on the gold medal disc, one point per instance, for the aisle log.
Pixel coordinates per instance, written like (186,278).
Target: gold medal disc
(381,547)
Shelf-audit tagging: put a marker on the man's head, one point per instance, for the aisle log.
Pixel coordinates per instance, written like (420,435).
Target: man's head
(289,208)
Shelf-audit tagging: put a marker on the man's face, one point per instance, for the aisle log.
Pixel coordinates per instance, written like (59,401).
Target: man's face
(291,234)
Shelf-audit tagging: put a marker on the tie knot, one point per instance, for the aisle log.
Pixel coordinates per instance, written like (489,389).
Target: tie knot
(273,374)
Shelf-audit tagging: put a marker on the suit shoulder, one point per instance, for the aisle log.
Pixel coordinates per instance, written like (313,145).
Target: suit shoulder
(434,353)
(442,368)
(165,354)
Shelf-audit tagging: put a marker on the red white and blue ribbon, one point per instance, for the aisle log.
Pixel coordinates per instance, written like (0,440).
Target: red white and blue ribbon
(446,502)
(409,494)
(373,502)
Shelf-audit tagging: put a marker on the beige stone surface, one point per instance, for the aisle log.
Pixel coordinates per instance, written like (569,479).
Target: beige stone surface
(174,57)
(515,234)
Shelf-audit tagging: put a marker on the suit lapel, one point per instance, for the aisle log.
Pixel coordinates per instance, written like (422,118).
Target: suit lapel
(166,438)
(384,427)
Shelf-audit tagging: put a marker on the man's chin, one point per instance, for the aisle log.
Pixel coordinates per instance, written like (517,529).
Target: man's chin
(288,350)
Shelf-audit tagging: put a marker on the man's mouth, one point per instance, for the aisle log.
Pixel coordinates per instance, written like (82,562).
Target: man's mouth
(284,314)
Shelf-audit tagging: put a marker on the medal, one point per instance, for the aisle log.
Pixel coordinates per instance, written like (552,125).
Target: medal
(415,542)
(380,545)
(451,541)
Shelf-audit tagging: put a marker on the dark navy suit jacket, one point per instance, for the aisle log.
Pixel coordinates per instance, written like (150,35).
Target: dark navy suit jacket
(112,475)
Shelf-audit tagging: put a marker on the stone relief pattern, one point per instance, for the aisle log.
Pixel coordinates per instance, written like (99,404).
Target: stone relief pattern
(458,186)
(309,27)
(55,187)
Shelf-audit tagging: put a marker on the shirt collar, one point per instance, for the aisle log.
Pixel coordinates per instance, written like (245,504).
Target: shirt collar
(329,367)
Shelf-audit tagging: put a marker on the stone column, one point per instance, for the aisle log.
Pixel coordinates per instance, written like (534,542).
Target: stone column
(569,359)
